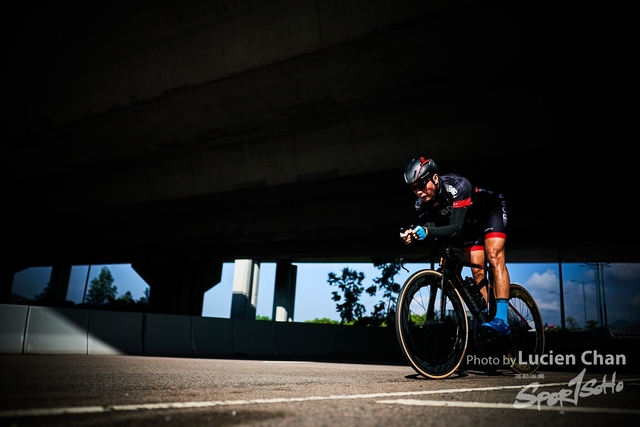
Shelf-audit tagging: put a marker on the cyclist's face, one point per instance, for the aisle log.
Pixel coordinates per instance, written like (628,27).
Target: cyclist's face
(425,190)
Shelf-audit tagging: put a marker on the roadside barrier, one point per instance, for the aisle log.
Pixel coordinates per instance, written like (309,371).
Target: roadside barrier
(48,330)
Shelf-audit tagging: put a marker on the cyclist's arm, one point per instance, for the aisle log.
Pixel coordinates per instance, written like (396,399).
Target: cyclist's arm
(454,227)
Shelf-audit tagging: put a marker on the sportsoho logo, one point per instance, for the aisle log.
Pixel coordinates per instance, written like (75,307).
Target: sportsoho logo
(577,389)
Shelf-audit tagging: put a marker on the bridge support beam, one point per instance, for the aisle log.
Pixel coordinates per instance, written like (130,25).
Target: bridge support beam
(285,292)
(7,274)
(177,285)
(244,302)
(59,283)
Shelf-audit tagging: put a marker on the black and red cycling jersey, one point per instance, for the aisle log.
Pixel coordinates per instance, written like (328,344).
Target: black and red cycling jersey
(463,212)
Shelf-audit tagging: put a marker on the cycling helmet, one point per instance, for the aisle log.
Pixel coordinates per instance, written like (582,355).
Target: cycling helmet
(419,169)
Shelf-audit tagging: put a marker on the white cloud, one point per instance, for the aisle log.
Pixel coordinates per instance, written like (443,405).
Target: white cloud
(547,281)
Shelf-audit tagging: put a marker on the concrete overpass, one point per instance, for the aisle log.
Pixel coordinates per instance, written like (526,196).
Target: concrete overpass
(179,135)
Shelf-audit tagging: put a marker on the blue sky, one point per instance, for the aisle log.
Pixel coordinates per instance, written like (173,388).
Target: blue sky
(313,293)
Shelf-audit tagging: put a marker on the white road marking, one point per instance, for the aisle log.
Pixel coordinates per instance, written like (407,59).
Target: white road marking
(284,362)
(483,405)
(207,404)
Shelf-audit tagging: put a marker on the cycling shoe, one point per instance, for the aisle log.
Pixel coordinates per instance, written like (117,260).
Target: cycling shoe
(497,326)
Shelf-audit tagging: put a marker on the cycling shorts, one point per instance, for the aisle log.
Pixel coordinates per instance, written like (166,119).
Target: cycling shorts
(490,222)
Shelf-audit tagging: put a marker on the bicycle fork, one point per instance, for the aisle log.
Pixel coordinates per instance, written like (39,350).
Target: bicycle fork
(443,295)
(431,305)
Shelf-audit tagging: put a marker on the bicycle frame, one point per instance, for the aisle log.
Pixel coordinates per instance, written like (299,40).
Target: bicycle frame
(451,267)
(455,271)
(451,270)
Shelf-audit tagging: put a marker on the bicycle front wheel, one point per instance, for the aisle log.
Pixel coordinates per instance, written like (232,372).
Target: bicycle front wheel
(434,341)
(526,344)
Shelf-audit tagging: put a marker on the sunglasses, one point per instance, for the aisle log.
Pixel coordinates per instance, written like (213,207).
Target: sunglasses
(420,184)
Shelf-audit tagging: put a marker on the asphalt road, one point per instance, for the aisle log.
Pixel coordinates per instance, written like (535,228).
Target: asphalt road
(74,390)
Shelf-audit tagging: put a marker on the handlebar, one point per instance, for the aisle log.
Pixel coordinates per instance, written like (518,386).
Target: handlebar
(402,260)
(444,250)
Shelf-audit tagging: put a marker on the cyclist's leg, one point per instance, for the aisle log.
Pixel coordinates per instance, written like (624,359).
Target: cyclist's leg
(494,246)
(475,254)
(495,235)
(473,247)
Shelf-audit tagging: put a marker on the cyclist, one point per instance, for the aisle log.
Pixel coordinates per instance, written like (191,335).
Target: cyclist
(449,207)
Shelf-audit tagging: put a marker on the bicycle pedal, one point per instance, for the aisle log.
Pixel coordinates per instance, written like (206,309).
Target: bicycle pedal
(491,336)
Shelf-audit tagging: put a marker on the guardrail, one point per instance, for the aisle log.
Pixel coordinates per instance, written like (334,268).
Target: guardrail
(47,330)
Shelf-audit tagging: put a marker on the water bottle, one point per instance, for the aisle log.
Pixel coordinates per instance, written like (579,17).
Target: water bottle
(473,292)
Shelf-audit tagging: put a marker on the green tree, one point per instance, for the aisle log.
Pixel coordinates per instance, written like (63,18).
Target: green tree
(47,295)
(102,290)
(323,321)
(591,323)
(350,283)
(385,310)
(571,323)
(144,299)
(127,298)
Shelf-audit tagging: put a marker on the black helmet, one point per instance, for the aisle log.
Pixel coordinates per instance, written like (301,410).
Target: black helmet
(419,169)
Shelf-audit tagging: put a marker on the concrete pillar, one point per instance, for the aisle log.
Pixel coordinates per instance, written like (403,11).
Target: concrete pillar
(177,284)
(284,294)
(59,282)
(246,274)
(6,283)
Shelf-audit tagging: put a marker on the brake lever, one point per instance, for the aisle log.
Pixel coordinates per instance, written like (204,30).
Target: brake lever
(401,260)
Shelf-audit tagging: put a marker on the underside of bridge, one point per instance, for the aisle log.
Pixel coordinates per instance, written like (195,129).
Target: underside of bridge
(278,130)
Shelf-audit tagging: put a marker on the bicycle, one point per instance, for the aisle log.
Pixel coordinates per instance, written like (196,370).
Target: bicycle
(433,328)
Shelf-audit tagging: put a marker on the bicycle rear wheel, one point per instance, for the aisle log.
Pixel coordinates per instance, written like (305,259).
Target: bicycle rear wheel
(434,344)
(526,344)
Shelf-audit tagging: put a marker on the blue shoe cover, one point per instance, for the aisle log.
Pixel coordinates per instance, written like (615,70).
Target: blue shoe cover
(497,326)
